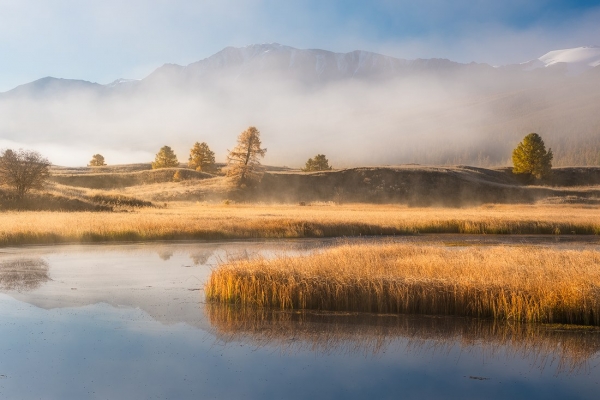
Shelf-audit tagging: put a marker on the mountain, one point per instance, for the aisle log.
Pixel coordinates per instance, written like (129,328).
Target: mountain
(50,86)
(306,66)
(572,61)
(358,108)
(266,62)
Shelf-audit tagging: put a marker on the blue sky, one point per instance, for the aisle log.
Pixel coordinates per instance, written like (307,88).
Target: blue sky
(104,40)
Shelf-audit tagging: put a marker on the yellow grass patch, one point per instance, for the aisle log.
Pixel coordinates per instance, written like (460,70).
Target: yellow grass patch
(525,283)
(205,221)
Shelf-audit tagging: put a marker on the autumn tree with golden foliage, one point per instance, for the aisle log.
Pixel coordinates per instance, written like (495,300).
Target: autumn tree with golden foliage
(97,161)
(243,161)
(23,170)
(202,158)
(530,157)
(165,158)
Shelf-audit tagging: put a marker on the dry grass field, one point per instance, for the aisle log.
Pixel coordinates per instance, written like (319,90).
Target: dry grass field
(182,221)
(514,283)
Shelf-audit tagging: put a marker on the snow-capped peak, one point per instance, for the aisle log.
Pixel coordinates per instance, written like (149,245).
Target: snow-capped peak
(121,81)
(576,60)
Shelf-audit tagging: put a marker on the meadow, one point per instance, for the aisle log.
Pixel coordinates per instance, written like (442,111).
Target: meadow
(513,283)
(193,221)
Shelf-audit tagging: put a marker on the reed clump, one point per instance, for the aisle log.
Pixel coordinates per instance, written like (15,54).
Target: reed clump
(525,283)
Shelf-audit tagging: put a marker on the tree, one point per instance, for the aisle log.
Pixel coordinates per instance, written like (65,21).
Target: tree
(165,158)
(244,166)
(97,161)
(319,163)
(177,176)
(530,157)
(23,170)
(201,158)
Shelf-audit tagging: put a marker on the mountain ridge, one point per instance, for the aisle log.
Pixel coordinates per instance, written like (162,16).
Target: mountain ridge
(325,64)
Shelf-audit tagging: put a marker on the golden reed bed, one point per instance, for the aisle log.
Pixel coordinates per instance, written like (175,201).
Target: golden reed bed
(201,221)
(531,284)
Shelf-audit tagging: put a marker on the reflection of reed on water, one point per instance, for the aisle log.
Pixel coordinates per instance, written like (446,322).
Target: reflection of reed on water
(23,274)
(570,346)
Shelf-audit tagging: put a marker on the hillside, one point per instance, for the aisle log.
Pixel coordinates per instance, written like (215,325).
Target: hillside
(428,186)
(407,184)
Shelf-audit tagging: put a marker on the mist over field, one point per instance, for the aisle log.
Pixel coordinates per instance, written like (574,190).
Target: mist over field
(358,108)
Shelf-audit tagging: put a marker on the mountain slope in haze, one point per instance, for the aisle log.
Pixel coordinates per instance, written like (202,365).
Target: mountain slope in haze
(50,86)
(268,61)
(306,66)
(358,108)
(273,61)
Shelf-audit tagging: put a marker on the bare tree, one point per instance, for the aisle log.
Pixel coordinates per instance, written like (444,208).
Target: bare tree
(23,170)
(244,166)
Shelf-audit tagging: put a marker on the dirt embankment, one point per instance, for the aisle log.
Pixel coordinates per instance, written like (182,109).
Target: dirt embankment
(424,186)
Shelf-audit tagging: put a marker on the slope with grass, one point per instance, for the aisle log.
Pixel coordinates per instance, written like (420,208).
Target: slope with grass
(427,186)
(414,185)
(97,178)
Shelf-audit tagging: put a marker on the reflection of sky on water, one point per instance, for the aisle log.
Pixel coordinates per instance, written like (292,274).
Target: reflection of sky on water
(120,322)
(107,352)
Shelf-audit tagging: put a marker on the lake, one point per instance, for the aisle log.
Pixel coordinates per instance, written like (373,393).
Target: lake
(130,321)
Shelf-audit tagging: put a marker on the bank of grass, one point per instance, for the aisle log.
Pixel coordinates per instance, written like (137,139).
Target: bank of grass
(527,284)
(206,221)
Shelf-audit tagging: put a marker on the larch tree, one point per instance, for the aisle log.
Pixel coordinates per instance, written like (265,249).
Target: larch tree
(97,161)
(23,170)
(243,161)
(202,158)
(531,158)
(165,158)
(318,163)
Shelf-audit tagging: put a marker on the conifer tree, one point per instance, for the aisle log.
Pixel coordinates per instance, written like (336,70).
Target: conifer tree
(202,158)
(530,157)
(243,161)
(177,176)
(165,158)
(319,163)
(97,161)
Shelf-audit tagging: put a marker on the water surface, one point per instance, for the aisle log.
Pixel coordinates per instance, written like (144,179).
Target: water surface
(130,321)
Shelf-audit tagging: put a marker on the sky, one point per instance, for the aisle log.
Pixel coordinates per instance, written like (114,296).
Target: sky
(101,41)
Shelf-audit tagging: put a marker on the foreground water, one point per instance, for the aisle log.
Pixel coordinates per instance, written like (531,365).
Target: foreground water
(130,321)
